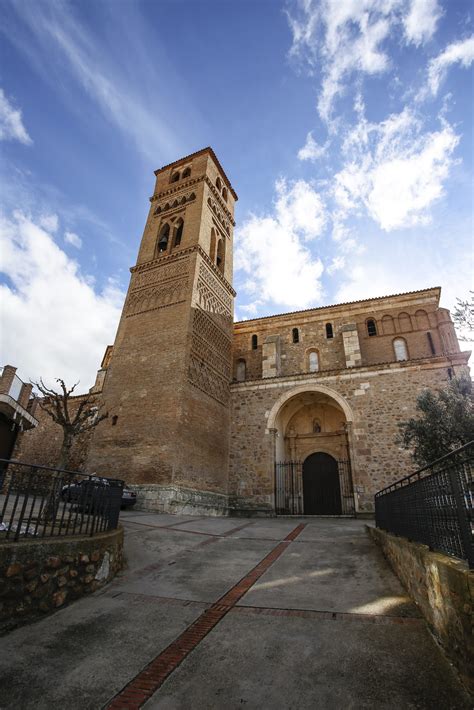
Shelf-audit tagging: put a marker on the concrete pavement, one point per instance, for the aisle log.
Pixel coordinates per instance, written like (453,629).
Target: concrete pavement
(322,623)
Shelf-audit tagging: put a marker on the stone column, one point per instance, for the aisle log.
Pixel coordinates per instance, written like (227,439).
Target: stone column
(273,435)
(352,462)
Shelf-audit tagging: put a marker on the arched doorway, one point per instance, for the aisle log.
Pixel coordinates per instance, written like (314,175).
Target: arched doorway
(311,427)
(321,486)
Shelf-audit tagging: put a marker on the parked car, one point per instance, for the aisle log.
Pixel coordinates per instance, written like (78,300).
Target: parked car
(84,492)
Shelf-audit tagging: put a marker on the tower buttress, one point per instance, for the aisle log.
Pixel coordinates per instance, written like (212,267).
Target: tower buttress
(167,384)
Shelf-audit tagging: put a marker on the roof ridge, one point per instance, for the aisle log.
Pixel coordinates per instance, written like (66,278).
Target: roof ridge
(336,305)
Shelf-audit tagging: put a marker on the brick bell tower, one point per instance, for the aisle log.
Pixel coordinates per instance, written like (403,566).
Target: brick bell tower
(166,387)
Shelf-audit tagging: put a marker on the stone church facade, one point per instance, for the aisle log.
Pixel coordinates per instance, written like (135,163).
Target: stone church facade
(296,412)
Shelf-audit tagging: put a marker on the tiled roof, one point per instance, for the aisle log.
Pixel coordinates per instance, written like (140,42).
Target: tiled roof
(338,305)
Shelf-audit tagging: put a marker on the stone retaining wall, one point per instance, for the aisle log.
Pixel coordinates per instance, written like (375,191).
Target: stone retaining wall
(443,588)
(40,576)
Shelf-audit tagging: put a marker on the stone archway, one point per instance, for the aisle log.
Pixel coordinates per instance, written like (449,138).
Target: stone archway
(312,422)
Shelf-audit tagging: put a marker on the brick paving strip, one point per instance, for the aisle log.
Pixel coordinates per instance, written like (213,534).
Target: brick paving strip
(146,683)
(210,539)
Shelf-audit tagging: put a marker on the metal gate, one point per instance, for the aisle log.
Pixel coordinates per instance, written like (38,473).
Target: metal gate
(289,498)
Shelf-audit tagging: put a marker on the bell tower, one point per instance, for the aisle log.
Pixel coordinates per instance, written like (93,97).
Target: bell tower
(167,384)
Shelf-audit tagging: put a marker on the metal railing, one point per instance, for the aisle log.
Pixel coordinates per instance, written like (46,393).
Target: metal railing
(42,502)
(434,505)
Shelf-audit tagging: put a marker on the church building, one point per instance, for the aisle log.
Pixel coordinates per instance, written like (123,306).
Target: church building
(295,413)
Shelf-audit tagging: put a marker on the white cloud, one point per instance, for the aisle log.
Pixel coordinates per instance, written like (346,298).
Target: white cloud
(395,171)
(49,222)
(345,37)
(341,38)
(311,150)
(336,264)
(11,122)
(421,21)
(73,238)
(270,250)
(300,209)
(54,324)
(461,52)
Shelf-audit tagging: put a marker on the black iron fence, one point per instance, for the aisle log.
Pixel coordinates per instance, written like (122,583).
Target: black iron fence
(291,498)
(38,502)
(434,505)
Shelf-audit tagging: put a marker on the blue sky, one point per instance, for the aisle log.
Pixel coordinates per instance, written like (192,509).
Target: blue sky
(345,127)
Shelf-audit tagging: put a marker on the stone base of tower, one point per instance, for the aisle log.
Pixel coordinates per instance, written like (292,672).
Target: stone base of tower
(179,500)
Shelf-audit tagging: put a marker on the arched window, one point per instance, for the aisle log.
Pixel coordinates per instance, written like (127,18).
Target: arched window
(183,200)
(220,256)
(404,322)
(422,321)
(295,335)
(400,349)
(224,194)
(175,203)
(212,252)
(388,326)
(371,327)
(329,333)
(192,196)
(174,177)
(186,173)
(178,232)
(158,210)
(241,370)
(254,342)
(219,184)
(313,361)
(167,206)
(163,238)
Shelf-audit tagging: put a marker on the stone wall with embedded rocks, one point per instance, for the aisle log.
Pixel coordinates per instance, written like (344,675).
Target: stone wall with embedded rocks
(443,588)
(41,576)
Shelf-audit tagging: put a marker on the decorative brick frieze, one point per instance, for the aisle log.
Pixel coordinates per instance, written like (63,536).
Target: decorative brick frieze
(211,295)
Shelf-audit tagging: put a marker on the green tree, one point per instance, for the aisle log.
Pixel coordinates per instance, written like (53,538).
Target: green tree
(446,422)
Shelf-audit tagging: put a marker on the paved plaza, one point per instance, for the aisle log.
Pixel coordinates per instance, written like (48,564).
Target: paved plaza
(231,613)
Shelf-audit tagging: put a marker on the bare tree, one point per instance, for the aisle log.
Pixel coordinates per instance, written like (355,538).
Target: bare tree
(73,421)
(463,317)
(58,406)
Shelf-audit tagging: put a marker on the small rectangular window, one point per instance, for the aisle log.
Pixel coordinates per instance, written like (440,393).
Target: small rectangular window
(296,335)
(329,332)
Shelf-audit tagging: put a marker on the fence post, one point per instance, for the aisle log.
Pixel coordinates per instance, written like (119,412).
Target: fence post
(464,524)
